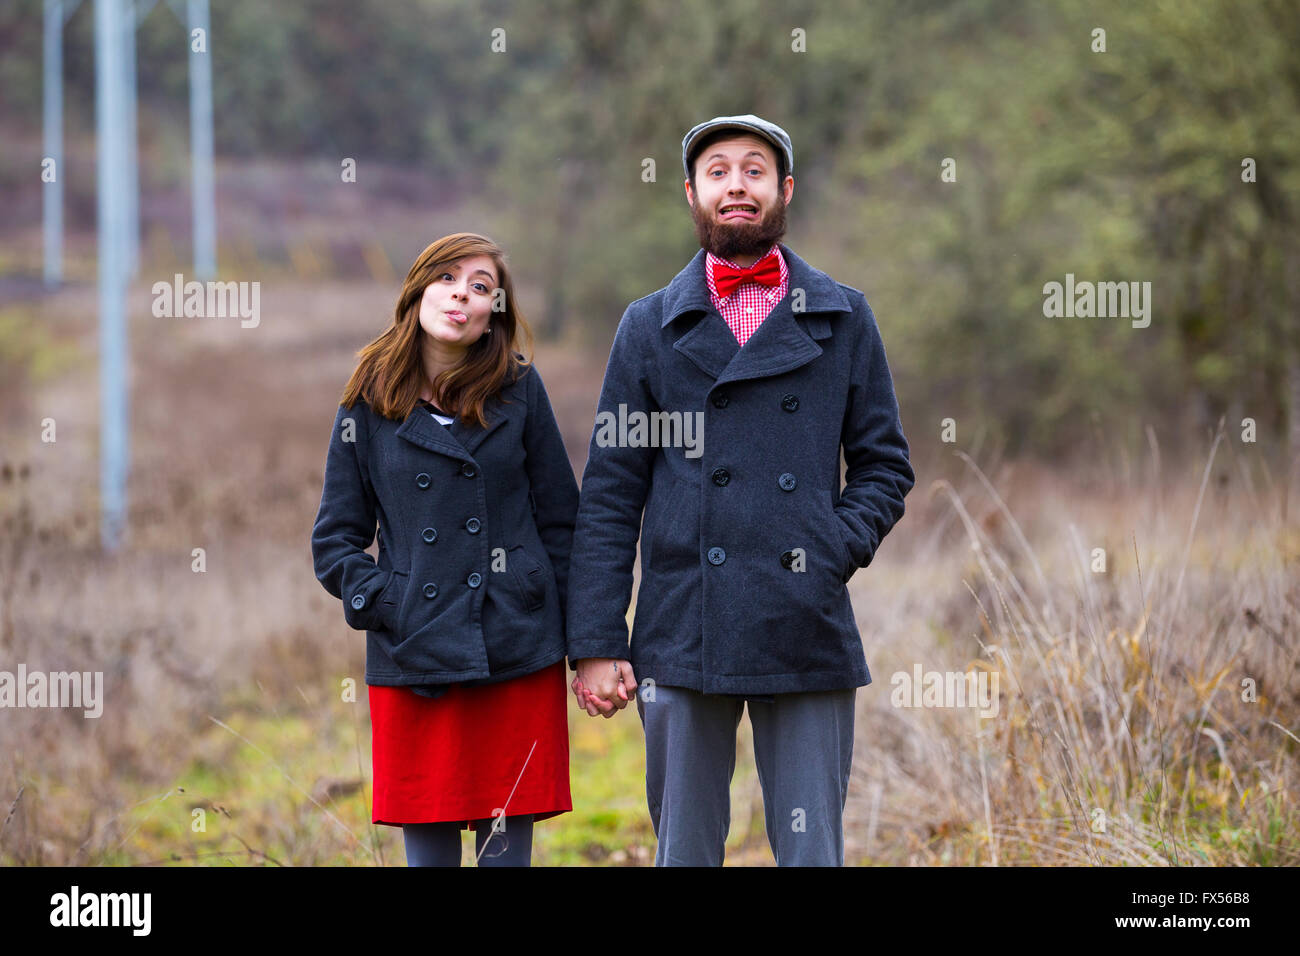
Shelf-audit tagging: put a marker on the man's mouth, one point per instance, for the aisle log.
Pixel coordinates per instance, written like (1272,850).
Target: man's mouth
(738,211)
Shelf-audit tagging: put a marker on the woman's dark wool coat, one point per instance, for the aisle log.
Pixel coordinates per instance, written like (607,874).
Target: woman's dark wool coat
(475,526)
(746,549)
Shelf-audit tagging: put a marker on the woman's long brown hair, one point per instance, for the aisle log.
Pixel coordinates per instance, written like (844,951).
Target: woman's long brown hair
(389,375)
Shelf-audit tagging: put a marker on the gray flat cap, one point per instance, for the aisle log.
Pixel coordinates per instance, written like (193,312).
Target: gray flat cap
(749,123)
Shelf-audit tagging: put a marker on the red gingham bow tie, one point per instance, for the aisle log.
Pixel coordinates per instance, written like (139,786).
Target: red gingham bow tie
(728,278)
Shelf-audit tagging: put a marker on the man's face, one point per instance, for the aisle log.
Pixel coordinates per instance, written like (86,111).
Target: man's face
(737,204)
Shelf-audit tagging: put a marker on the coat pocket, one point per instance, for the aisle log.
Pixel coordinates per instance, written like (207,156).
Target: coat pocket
(390,599)
(837,529)
(528,575)
(670,536)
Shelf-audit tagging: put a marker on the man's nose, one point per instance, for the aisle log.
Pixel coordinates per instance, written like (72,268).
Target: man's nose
(736,183)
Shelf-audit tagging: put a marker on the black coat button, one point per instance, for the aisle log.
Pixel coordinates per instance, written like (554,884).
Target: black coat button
(472,525)
(787,559)
(789,402)
(468,470)
(717,556)
(721,476)
(720,400)
(430,535)
(358,602)
(475,579)
(786,481)
(423,480)
(431,590)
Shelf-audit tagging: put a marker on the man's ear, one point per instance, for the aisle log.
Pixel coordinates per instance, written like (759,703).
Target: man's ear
(689,199)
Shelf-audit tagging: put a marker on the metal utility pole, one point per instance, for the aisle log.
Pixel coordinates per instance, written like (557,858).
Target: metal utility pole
(56,15)
(111,162)
(205,216)
(118,189)
(131,138)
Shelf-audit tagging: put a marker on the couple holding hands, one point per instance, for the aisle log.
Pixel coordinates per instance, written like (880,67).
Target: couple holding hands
(492,568)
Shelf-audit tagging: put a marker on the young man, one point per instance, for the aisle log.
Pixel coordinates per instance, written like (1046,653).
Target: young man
(727,399)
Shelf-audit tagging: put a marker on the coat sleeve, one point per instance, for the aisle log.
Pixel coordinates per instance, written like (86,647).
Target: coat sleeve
(345,524)
(551,483)
(878,472)
(615,483)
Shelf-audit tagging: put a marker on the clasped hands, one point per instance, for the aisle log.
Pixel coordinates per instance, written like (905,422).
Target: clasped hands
(603,686)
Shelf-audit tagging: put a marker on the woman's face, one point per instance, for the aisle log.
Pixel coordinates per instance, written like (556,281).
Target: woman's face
(456,308)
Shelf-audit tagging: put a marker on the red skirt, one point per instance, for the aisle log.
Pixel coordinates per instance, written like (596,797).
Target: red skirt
(460,756)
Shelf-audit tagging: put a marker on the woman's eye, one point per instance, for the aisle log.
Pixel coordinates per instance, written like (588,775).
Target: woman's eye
(445,275)
(481,287)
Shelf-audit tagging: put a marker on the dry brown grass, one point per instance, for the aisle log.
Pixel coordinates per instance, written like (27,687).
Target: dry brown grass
(1121,692)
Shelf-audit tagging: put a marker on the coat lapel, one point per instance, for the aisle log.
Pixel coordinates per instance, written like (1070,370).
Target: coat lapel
(421,428)
(471,436)
(782,342)
(709,343)
(457,440)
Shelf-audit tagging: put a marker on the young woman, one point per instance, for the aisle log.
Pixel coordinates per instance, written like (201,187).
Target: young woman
(446,439)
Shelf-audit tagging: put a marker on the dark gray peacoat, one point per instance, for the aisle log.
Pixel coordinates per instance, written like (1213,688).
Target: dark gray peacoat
(475,526)
(748,539)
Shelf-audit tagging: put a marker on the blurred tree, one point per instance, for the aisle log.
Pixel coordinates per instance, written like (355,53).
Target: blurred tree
(1122,165)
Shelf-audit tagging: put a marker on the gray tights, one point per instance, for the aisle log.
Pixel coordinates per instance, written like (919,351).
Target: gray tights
(438,844)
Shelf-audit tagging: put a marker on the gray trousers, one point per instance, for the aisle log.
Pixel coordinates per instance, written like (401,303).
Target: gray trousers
(803,746)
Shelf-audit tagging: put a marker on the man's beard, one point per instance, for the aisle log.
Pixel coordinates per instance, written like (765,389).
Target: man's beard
(727,240)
